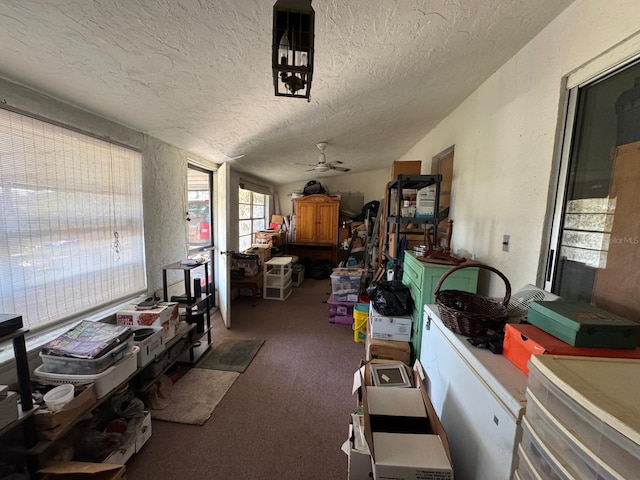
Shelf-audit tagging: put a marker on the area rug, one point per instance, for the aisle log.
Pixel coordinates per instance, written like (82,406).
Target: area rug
(232,353)
(195,396)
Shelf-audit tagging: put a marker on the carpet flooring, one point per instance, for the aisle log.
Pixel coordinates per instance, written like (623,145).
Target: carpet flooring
(286,416)
(233,354)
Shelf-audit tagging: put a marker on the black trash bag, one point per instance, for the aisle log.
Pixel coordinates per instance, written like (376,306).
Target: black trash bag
(390,298)
(313,187)
(369,210)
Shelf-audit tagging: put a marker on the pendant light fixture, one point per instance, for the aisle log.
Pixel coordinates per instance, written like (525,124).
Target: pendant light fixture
(292,60)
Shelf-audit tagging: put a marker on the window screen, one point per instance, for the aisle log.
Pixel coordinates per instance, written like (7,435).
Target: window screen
(70,220)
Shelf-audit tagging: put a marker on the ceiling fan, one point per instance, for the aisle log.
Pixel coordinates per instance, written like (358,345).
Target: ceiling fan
(323,165)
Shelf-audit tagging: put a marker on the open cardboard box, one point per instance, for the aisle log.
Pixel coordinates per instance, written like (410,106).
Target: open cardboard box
(51,425)
(357,451)
(83,471)
(405,455)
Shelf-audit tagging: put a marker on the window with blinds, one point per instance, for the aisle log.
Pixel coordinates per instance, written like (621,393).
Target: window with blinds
(71,225)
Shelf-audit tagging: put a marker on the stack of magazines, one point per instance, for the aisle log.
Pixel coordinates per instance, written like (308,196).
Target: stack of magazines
(88,348)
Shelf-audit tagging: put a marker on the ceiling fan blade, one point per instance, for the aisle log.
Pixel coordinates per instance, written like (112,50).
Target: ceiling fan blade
(340,169)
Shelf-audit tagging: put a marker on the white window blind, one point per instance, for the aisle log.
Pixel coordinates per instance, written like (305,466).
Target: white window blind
(71,226)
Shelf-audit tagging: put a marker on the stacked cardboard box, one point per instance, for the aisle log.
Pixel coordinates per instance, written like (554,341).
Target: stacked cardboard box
(398,430)
(383,327)
(387,349)
(262,250)
(165,315)
(271,238)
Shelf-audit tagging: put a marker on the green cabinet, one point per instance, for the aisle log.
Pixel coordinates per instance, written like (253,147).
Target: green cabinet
(422,278)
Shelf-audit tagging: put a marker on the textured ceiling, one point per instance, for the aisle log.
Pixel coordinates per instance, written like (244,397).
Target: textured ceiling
(197,74)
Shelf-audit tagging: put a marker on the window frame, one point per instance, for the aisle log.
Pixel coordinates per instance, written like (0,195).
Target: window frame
(39,332)
(252,219)
(589,74)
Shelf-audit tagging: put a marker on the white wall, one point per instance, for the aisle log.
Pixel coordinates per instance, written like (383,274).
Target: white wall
(371,184)
(505,137)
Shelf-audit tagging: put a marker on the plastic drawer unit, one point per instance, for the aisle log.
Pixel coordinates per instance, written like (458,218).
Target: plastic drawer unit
(592,402)
(277,278)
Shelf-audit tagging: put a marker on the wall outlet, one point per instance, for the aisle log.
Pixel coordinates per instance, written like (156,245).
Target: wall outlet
(505,243)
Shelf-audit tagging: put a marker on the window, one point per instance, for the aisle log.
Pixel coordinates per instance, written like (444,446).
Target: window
(252,211)
(597,233)
(200,223)
(71,226)
(199,207)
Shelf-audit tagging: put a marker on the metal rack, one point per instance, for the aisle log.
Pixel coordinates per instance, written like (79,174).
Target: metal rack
(193,304)
(27,408)
(395,221)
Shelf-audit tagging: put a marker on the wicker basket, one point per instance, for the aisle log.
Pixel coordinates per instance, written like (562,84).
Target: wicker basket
(468,313)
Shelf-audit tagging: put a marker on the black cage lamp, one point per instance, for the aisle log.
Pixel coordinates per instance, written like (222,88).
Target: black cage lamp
(293,24)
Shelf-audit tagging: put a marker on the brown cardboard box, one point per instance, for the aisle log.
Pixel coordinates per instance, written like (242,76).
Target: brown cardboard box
(387,349)
(84,471)
(275,239)
(431,458)
(409,167)
(51,425)
(165,315)
(262,250)
(279,219)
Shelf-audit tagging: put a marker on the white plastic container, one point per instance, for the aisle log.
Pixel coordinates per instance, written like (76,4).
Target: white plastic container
(574,457)
(59,396)
(151,343)
(541,461)
(426,202)
(525,469)
(104,382)
(612,446)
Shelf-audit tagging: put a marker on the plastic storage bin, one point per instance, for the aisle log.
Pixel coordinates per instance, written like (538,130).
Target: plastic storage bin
(615,448)
(540,459)
(84,366)
(297,274)
(340,312)
(104,382)
(345,283)
(525,469)
(360,319)
(58,397)
(574,457)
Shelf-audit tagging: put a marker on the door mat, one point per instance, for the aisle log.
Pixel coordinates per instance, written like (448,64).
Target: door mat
(195,396)
(232,354)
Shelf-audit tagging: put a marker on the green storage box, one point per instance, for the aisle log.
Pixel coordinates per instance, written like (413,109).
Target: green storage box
(583,325)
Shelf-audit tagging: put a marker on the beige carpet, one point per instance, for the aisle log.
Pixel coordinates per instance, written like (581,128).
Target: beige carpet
(195,396)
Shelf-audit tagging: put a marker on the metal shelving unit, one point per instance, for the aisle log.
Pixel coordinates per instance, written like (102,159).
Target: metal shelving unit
(193,305)
(395,221)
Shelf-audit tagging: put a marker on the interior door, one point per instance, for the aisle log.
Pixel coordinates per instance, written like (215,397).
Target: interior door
(223,240)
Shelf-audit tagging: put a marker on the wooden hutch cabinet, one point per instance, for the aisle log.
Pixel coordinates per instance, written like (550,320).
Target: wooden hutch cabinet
(317,219)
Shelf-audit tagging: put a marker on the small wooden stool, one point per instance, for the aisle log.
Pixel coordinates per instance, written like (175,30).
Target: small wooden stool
(253,283)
